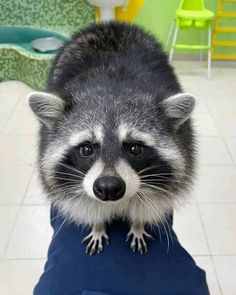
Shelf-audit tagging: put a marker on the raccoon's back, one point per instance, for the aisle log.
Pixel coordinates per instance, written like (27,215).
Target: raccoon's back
(111,49)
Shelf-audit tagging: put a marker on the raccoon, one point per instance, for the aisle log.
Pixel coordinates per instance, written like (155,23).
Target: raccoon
(116,139)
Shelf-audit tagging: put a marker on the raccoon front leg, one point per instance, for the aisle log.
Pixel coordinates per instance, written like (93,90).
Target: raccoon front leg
(95,239)
(138,234)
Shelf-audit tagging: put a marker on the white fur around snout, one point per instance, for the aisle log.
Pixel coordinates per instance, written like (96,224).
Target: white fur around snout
(123,169)
(94,172)
(130,177)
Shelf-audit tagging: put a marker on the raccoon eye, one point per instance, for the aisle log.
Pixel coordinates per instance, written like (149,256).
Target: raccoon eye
(136,149)
(86,150)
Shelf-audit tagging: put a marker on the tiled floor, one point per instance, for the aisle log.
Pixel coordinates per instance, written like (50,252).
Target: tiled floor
(206,226)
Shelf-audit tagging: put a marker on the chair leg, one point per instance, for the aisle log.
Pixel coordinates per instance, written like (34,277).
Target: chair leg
(173,44)
(202,42)
(209,54)
(169,34)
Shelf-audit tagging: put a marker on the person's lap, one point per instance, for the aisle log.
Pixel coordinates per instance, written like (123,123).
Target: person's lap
(165,269)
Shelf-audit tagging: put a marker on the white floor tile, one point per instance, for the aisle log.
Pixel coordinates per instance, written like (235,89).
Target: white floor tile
(189,230)
(211,88)
(226,270)
(193,69)
(7,219)
(23,102)
(11,89)
(13,184)
(216,184)
(32,233)
(226,124)
(35,194)
(228,74)
(21,123)
(221,104)
(205,125)
(231,78)
(212,151)
(3,119)
(7,104)
(219,222)
(201,106)
(206,264)
(191,86)
(17,150)
(231,144)
(19,277)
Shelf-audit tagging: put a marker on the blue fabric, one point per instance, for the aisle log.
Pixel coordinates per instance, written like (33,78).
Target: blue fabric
(117,270)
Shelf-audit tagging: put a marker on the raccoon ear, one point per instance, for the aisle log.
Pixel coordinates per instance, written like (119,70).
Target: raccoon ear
(47,107)
(179,106)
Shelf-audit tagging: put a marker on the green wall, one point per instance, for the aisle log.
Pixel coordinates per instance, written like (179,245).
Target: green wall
(157,15)
(64,16)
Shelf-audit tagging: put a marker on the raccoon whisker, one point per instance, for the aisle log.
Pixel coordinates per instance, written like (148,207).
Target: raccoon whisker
(73,175)
(67,192)
(65,219)
(152,213)
(66,189)
(160,174)
(167,223)
(160,218)
(67,179)
(56,234)
(56,217)
(154,177)
(149,168)
(156,180)
(162,190)
(161,185)
(176,175)
(63,191)
(71,168)
(162,222)
(164,173)
(152,205)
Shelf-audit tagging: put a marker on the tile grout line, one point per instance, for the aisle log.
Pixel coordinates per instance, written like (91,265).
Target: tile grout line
(208,245)
(16,218)
(27,186)
(221,136)
(12,111)
(10,233)
(228,150)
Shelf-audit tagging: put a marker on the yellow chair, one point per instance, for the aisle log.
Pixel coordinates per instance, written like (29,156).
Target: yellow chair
(191,14)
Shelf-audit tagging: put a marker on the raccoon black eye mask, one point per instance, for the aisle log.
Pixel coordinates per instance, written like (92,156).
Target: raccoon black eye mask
(115,139)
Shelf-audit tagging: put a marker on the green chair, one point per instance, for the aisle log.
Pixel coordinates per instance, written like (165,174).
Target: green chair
(191,14)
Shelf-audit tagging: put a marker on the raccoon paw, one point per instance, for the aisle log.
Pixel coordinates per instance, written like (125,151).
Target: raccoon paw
(95,241)
(138,239)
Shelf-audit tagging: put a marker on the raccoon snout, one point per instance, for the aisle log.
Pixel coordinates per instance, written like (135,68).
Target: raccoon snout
(109,188)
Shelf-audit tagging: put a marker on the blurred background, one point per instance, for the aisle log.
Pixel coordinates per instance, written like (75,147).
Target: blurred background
(200,38)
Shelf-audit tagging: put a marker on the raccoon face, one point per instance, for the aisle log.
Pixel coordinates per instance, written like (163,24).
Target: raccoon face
(112,154)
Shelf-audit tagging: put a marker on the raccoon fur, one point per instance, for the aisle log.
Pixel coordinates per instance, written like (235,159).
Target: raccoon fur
(116,139)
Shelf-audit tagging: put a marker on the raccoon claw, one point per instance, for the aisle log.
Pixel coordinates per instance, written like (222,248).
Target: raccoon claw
(138,239)
(95,241)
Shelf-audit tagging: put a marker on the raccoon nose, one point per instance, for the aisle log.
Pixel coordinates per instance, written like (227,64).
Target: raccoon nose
(109,188)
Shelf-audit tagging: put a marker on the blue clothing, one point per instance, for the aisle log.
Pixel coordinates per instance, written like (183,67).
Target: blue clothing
(117,270)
